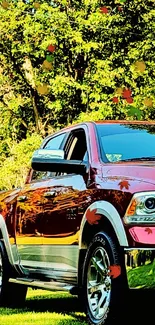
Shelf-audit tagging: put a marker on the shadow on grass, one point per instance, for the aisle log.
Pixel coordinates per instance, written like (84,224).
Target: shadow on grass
(139,302)
(66,304)
(63,305)
(139,309)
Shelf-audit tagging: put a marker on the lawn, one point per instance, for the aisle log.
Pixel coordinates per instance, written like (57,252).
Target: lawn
(45,308)
(60,308)
(143,276)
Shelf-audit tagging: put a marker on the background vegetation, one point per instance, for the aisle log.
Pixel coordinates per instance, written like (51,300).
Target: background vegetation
(63,61)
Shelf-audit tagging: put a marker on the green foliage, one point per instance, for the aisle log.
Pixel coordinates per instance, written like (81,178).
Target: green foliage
(95,53)
(142,276)
(64,61)
(14,169)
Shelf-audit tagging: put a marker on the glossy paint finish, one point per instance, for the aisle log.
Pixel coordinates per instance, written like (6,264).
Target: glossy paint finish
(53,224)
(46,219)
(29,214)
(103,209)
(61,214)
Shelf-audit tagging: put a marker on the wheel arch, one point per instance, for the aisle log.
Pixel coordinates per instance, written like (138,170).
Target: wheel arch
(9,249)
(110,222)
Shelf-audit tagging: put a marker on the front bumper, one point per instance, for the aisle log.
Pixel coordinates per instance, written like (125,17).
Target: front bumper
(140,267)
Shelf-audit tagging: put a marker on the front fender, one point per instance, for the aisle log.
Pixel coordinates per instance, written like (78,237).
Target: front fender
(95,212)
(11,250)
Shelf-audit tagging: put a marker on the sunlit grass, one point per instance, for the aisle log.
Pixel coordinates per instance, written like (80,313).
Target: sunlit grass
(143,276)
(45,308)
(60,308)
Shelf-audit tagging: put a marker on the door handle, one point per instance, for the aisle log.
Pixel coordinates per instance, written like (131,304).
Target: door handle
(22,198)
(50,194)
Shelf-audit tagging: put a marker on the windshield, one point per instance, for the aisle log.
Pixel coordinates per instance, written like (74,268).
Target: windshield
(122,142)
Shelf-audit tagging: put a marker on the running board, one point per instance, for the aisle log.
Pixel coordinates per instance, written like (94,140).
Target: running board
(53,285)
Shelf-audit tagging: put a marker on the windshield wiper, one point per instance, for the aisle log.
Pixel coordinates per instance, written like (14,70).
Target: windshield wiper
(140,159)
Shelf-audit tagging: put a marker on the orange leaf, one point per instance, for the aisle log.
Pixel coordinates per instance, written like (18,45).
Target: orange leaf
(129,100)
(140,66)
(115,271)
(148,102)
(119,91)
(115,100)
(148,230)
(92,217)
(126,93)
(124,184)
(43,89)
(104,10)
(47,65)
(5,4)
(51,48)
(36,5)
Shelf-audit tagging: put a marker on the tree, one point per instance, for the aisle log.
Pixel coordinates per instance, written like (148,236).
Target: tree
(68,60)
(14,168)
(62,58)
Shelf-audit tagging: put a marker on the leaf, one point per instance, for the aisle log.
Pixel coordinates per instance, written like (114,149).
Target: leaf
(115,100)
(129,100)
(36,5)
(115,271)
(43,89)
(124,184)
(134,111)
(126,93)
(148,230)
(47,65)
(104,10)
(148,102)
(140,66)
(92,217)
(119,91)
(51,48)
(5,4)
(50,58)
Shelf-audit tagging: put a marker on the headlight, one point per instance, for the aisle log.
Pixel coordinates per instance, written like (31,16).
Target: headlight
(150,204)
(141,209)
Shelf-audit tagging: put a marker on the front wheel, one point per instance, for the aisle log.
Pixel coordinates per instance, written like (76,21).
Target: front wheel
(103,281)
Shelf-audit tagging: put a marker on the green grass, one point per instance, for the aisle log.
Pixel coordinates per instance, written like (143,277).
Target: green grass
(60,308)
(142,277)
(45,308)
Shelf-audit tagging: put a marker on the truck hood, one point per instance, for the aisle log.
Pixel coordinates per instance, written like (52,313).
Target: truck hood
(139,174)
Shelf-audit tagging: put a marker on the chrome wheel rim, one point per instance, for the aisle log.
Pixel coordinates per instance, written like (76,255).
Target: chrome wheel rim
(99,283)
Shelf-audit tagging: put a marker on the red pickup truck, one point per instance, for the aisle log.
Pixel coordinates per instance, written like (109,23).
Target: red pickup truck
(84,218)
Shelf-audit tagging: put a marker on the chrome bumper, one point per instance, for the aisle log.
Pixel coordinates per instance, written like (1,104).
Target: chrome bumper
(140,268)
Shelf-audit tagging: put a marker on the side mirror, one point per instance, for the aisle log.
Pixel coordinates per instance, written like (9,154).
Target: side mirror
(48,154)
(53,161)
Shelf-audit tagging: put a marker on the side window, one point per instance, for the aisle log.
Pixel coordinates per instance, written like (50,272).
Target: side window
(53,143)
(76,147)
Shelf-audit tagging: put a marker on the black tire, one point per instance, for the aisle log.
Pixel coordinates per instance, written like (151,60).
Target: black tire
(11,294)
(102,293)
